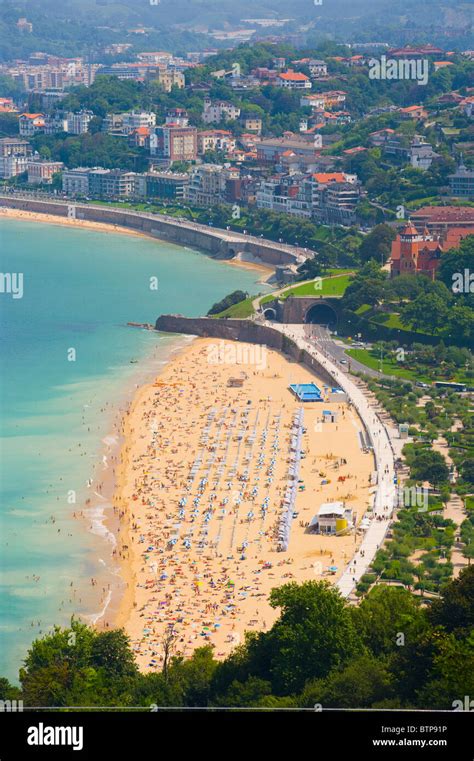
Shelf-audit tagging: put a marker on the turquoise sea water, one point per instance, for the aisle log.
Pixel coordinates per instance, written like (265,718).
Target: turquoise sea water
(81,287)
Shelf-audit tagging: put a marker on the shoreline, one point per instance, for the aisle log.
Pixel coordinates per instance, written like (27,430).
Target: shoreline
(53,219)
(146,515)
(104,483)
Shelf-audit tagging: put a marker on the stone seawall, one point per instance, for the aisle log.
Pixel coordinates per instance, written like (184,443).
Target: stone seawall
(221,244)
(245,331)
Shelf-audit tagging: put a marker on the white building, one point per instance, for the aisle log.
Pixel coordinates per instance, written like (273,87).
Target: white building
(317,68)
(14,156)
(78,124)
(294,80)
(31,124)
(215,111)
(136,119)
(422,154)
(332,518)
(76,181)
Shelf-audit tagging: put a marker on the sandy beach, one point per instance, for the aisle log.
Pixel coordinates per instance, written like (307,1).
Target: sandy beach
(208,456)
(52,219)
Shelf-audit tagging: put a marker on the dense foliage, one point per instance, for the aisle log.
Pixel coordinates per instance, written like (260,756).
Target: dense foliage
(387,652)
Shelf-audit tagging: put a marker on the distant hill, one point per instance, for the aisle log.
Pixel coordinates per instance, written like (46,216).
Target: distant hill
(185,24)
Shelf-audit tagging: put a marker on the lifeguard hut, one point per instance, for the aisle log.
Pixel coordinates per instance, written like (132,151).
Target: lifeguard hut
(332,518)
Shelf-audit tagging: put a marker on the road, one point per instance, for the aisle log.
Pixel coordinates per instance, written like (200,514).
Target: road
(320,336)
(299,253)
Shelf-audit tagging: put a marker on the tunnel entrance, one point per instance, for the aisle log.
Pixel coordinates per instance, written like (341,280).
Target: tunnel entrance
(269,313)
(321,314)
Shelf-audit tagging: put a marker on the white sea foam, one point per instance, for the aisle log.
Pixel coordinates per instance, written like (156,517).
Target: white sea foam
(94,617)
(97,517)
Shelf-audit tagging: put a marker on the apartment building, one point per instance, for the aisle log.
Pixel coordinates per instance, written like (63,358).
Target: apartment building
(113,124)
(54,124)
(210,184)
(271,149)
(215,140)
(335,197)
(111,183)
(253,124)
(317,68)
(178,116)
(324,100)
(461,183)
(78,123)
(169,78)
(14,155)
(24,26)
(135,119)
(76,181)
(169,186)
(175,143)
(7,106)
(216,111)
(285,194)
(330,198)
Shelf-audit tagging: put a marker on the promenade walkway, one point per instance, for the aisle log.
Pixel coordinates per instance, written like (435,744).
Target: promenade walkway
(298,253)
(385,494)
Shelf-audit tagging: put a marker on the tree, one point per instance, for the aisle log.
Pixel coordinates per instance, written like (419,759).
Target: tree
(363,291)
(8,124)
(427,312)
(361,683)
(310,268)
(467,470)
(111,650)
(233,298)
(79,666)
(455,611)
(451,675)
(429,465)
(248,693)
(314,634)
(377,244)
(168,644)
(8,691)
(453,264)
(385,613)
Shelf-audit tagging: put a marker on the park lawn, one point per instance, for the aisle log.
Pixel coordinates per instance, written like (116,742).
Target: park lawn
(393,321)
(371,359)
(469,502)
(363,309)
(331,286)
(241,309)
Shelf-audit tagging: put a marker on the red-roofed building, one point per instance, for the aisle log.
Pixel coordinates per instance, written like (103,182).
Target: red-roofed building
(414,52)
(31,124)
(353,151)
(440,219)
(7,106)
(294,80)
(413,112)
(140,137)
(441,64)
(415,253)
(324,177)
